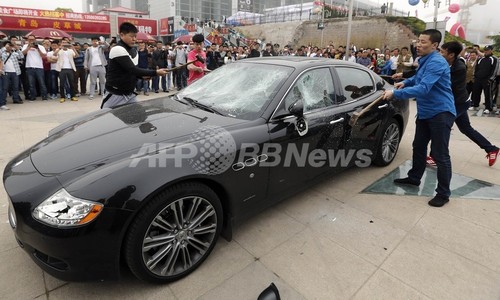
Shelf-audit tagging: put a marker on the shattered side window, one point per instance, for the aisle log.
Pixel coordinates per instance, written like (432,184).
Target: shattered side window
(315,88)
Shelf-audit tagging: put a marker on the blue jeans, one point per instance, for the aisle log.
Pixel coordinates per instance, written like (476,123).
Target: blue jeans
(54,86)
(142,84)
(437,131)
(36,75)
(10,83)
(463,124)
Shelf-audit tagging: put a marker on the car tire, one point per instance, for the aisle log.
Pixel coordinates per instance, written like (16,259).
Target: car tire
(388,146)
(174,233)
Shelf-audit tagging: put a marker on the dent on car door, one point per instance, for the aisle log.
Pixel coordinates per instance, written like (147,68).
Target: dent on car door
(359,90)
(302,143)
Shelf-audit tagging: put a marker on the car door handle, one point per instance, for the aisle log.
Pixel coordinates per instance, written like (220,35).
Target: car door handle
(337,121)
(383,106)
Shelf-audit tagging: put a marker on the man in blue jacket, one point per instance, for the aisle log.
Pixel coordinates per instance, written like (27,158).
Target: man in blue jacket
(431,86)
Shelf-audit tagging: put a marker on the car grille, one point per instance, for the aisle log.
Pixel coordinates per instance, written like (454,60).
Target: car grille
(51,261)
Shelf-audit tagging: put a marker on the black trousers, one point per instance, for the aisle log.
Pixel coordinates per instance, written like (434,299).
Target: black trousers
(479,86)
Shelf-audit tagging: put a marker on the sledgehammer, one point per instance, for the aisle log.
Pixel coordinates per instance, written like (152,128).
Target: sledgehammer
(356,114)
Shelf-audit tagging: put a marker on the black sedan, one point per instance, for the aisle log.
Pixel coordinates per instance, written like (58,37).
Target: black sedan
(152,185)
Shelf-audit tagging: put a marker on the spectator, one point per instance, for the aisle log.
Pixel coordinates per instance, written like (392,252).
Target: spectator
(160,62)
(66,67)
(180,55)
(46,64)
(80,74)
(394,60)
(269,51)
(484,76)
(405,61)
(213,57)
(471,65)
(95,63)
(364,60)
(10,56)
(387,68)
(143,83)
(54,74)
(34,53)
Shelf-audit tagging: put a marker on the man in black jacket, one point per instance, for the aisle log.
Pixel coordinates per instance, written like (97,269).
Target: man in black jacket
(160,62)
(213,57)
(123,71)
(451,52)
(484,75)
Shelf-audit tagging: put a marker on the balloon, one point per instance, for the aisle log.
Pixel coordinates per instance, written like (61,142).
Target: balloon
(413,2)
(454,8)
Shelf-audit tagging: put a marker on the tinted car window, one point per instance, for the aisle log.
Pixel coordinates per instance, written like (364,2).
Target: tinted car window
(355,83)
(315,88)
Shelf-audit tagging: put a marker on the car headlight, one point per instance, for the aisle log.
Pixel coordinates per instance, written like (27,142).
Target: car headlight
(64,210)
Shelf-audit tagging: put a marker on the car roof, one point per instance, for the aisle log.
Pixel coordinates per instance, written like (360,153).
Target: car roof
(298,61)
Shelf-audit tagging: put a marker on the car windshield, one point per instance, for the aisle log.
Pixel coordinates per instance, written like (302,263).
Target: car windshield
(239,90)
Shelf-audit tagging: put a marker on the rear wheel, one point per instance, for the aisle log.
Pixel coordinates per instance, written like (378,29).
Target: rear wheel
(388,146)
(174,233)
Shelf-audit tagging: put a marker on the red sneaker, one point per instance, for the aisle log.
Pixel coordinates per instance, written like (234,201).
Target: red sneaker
(430,161)
(492,157)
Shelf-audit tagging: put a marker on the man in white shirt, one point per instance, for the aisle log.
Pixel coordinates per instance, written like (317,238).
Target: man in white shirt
(33,53)
(95,62)
(54,74)
(65,65)
(394,60)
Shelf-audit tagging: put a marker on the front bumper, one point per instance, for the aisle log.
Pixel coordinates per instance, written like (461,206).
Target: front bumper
(90,252)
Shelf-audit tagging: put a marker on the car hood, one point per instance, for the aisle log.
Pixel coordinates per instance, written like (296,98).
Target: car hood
(104,137)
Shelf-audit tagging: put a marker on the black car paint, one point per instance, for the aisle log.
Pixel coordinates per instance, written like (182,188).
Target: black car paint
(90,162)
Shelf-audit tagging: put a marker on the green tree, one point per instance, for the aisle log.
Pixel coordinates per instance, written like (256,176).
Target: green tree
(496,41)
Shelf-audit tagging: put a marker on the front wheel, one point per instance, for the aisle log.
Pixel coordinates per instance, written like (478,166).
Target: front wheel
(174,233)
(388,146)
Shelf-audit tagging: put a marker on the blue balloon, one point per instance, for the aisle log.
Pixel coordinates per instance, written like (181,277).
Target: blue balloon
(413,2)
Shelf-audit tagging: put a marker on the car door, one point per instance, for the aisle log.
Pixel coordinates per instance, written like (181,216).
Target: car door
(359,90)
(300,147)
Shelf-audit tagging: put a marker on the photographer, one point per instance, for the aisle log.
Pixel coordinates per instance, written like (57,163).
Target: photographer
(33,52)
(10,57)
(66,67)
(180,55)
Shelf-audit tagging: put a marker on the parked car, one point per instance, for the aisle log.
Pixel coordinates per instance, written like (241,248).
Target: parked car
(151,185)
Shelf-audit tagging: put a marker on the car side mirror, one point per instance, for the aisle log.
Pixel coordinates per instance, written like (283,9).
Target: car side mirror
(297,108)
(270,293)
(380,85)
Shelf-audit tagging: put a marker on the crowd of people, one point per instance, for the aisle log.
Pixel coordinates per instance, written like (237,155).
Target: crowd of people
(67,70)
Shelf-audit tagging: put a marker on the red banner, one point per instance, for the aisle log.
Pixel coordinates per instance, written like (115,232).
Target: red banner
(31,23)
(143,25)
(40,13)
(190,27)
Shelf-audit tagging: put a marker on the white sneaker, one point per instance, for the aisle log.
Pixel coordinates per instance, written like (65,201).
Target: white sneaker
(91,97)
(486,111)
(4,107)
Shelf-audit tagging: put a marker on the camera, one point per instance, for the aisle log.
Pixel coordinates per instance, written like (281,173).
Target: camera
(34,44)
